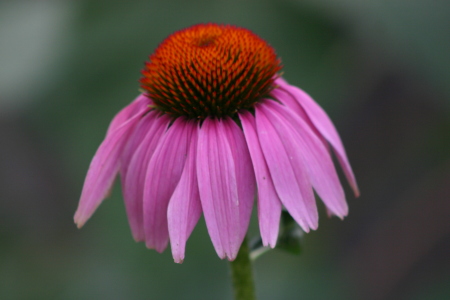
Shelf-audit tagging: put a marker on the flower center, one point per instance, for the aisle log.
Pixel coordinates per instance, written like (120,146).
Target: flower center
(210,70)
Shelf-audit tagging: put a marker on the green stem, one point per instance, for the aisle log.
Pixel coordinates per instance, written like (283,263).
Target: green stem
(242,274)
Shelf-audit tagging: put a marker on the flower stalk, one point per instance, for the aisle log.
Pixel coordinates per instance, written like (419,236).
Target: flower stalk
(242,274)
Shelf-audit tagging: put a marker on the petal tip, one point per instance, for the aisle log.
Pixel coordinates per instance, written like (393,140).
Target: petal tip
(356,191)
(231,257)
(138,238)
(79,221)
(305,228)
(178,260)
(159,247)
(271,244)
(270,241)
(79,224)
(314,226)
(221,255)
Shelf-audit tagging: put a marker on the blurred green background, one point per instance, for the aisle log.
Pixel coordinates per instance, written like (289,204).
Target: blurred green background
(381,69)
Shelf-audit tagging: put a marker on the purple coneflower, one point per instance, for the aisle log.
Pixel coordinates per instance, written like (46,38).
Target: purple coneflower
(215,128)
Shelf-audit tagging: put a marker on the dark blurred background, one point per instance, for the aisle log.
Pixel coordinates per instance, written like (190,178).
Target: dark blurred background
(381,69)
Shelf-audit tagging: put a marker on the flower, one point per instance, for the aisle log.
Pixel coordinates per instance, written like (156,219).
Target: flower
(215,127)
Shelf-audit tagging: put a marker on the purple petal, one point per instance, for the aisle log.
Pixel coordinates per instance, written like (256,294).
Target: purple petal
(269,205)
(184,207)
(245,176)
(325,126)
(163,174)
(316,158)
(137,107)
(134,181)
(287,170)
(289,100)
(218,188)
(135,139)
(103,170)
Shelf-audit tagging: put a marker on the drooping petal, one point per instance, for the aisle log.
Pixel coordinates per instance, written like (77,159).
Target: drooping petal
(102,171)
(134,181)
(163,174)
(289,100)
(245,176)
(135,139)
(325,126)
(218,188)
(137,107)
(269,204)
(316,158)
(184,207)
(287,170)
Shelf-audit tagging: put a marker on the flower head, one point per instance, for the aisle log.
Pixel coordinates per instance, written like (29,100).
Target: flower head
(215,127)
(210,71)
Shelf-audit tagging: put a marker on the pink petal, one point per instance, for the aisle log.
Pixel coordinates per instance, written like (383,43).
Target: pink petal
(135,139)
(134,182)
(269,205)
(325,126)
(137,107)
(316,158)
(289,100)
(287,170)
(163,174)
(184,207)
(218,188)
(245,176)
(103,170)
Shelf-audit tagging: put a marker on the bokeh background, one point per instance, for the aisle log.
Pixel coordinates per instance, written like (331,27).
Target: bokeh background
(381,69)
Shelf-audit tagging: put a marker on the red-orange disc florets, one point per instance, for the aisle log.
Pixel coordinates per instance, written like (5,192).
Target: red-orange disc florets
(210,70)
